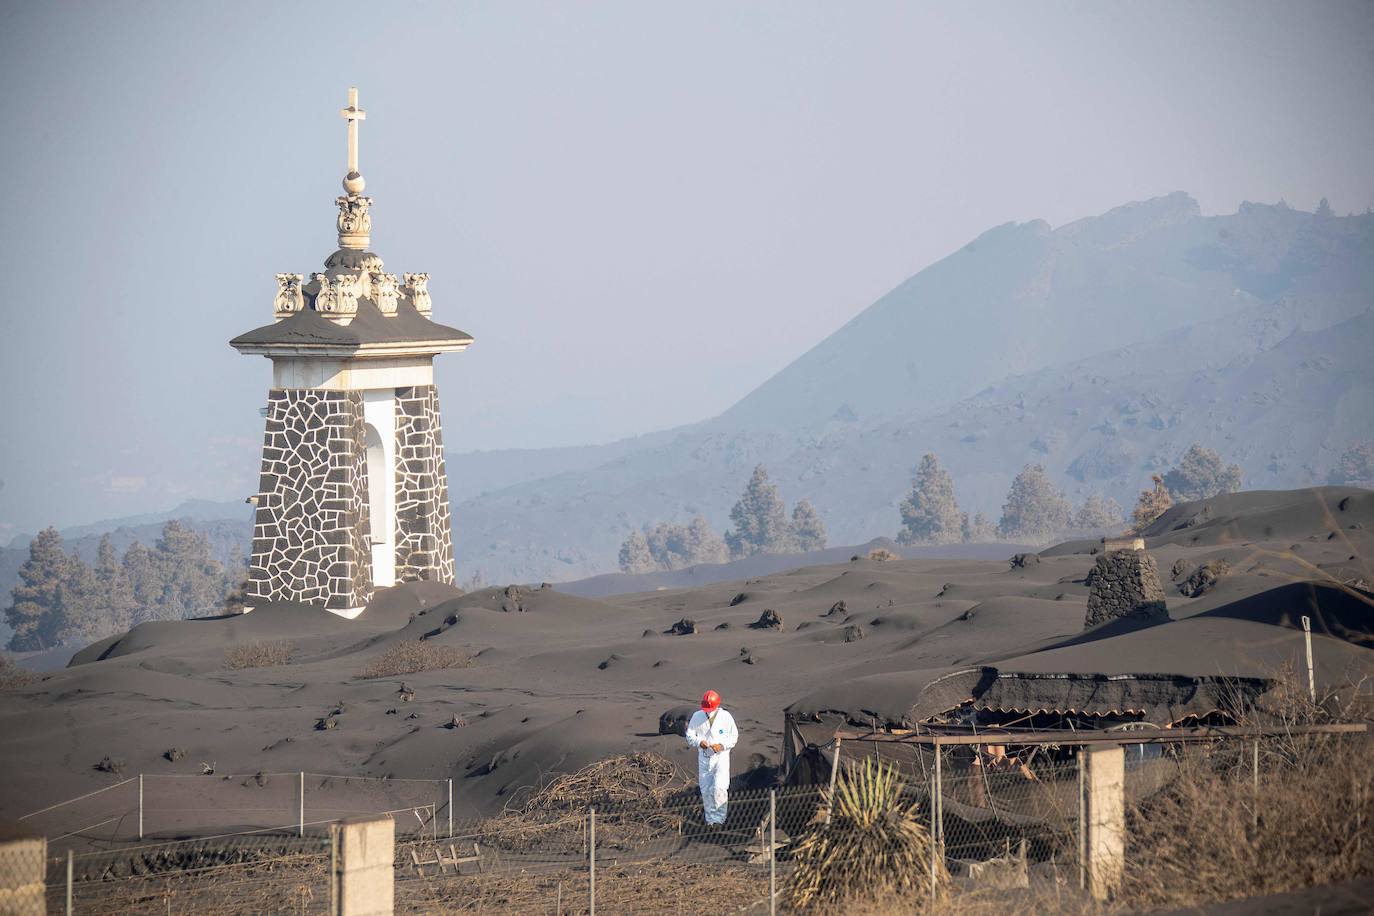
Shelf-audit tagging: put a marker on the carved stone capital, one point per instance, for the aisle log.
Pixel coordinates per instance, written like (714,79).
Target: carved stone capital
(386,291)
(289,297)
(337,298)
(417,288)
(355,221)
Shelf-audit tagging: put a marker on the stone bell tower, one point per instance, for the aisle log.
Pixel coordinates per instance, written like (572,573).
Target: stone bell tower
(352,495)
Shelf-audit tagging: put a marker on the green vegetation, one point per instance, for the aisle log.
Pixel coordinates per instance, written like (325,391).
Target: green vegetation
(61,600)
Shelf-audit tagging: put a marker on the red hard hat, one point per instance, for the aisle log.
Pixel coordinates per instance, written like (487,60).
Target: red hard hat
(710,701)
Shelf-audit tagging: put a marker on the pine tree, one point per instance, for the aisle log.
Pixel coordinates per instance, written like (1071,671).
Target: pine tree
(1098,512)
(760,519)
(703,544)
(1201,474)
(145,582)
(807,528)
(35,614)
(1036,511)
(117,594)
(977,530)
(193,581)
(1151,505)
(80,605)
(930,514)
(635,556)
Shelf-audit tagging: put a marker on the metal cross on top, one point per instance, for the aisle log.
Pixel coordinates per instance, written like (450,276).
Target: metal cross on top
(353,114)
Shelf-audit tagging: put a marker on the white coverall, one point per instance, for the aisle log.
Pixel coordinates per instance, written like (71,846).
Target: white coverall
(713,770)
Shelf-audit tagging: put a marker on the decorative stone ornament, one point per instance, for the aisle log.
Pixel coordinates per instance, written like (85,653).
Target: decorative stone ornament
(289,297)
(417,288)
(355,222)
(386,292)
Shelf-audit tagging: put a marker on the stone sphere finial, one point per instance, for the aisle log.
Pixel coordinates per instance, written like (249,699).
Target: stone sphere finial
(353,183)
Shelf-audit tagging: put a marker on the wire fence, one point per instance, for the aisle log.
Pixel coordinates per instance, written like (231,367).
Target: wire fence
(903,826)
(150,808)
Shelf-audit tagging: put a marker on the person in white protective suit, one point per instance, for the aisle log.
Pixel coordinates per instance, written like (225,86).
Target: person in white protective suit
(712,732)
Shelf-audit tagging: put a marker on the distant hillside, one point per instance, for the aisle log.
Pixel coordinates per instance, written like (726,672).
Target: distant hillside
(1101,349)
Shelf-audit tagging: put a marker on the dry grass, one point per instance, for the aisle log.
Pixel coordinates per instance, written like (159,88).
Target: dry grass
(257,655)
(875,846)
(1217,833)
(12,676)
(414,657)
(882,555)
(631,793)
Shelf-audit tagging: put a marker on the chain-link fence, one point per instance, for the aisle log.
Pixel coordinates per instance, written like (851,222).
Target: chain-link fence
(891,822)
(148,807)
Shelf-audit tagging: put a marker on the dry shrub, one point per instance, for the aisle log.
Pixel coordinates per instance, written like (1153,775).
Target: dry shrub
(631,794)
(882,555)
(12,676)
(1217,833)
(257,655)
(875,846)
(413,657)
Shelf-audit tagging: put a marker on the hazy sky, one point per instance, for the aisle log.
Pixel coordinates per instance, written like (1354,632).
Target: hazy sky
(640,210)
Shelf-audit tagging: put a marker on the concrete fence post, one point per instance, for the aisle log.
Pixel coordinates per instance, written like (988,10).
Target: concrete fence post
(1103,817)
(363,881)
(140,806)
(591,860)
(69,882)
(450,807)
(300,830)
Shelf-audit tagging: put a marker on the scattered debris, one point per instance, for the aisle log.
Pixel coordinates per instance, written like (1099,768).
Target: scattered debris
(1024,560)
(768,620)
(406,693)
(853,633)
(511,603)
(684,627)
(207,769)
(739,599)
(723,626)
(882,555)
(391,712)
(608,662)
(456,722)
(259,778)
(414,715)
(174,754)
(1204,578)
(836,609)
(109,765)
(326,724)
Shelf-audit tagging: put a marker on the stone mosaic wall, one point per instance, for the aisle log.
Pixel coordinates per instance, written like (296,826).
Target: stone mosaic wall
(424,539)
(1124,583)
(309,535)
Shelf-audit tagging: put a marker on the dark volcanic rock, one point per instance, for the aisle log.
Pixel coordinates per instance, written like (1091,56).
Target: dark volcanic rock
(853,633)
(836,609)
(768,620)
(1022,560)
(674,721)
(510,602)
(684,627)
(739,599)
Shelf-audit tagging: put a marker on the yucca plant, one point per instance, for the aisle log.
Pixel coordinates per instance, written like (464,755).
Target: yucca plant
(874,846)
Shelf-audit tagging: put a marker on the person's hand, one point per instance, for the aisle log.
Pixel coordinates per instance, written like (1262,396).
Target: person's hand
(717,748)
(703,745)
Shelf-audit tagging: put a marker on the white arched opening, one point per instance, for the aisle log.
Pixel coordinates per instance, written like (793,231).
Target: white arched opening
(380,418)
